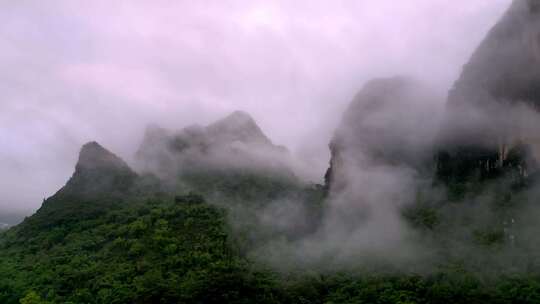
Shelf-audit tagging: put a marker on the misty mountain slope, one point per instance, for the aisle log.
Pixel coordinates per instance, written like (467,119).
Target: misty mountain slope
(164,251)
(103,182)
(185,250)
(220,159)
(109,237)
(380,183)
(158,251)
(237,126)
(506,65)
(233,141)
(390,122)
(491,126)
(487,150)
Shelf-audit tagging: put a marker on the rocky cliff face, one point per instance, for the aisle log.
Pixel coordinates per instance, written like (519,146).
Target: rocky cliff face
(506,65)
(485,131)
(390,122)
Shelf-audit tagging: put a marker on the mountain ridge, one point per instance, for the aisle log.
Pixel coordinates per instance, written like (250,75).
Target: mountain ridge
(234,142)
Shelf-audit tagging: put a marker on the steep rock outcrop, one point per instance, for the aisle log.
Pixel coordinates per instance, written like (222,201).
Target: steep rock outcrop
(232,153)
(101,180)
(485,132)
(390,122)
(506,65)
(98,172)
(235,141)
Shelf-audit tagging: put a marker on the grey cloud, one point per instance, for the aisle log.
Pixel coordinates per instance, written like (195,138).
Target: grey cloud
(74,71)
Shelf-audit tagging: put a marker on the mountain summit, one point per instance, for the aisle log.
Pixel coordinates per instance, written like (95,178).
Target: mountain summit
(238,126)
(98,171)
(506,65)
(101,180)
(93,156)
(380,128)
(233,142)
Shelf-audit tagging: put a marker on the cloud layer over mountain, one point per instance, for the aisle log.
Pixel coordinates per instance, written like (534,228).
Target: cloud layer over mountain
(76,71)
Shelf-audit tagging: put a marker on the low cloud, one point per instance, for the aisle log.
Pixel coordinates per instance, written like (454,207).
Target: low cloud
(74,72)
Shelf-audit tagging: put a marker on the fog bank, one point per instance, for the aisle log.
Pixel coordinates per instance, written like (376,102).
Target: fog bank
(76,71)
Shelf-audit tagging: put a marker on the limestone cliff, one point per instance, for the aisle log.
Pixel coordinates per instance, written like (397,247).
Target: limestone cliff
(485,133)
(390,122)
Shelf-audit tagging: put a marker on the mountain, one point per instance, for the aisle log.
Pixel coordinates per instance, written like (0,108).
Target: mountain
(237,127)
(231,162)
(111,235)
(388,123)
(101,180)
(487,131)
(98,173)
(506,65)
(234,141)
(231,153)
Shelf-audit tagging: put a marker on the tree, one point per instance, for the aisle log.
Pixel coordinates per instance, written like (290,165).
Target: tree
(32,298)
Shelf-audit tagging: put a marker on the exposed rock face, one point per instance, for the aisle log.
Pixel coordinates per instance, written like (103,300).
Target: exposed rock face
(390,122)
(485,129)
(234,142)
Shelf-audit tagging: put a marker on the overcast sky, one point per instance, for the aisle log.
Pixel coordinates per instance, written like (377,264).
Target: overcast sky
(74,71)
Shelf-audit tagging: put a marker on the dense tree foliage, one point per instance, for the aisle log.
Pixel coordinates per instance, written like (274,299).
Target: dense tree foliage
(182,250)
(157,251)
